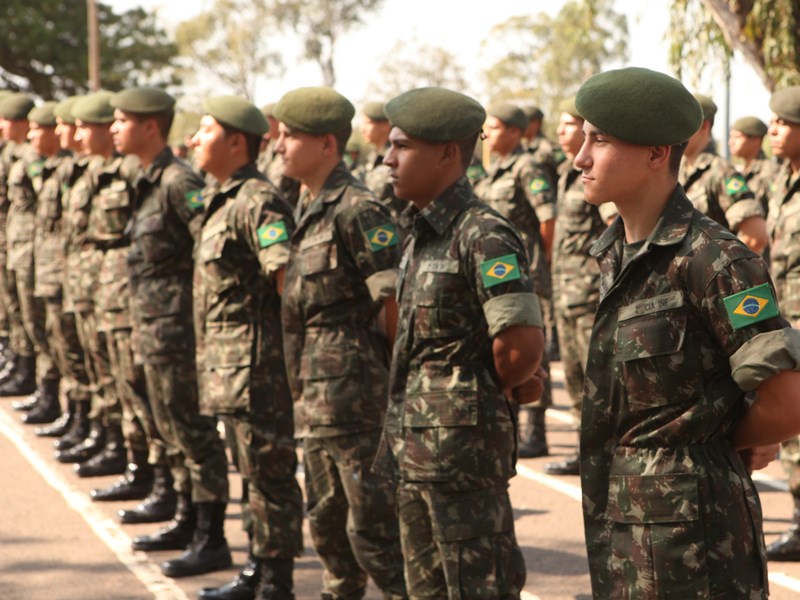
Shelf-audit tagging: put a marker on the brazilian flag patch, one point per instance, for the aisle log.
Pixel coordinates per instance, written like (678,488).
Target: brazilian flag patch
(539,185)
(194,199)
(475,172)
(382,237)
(35,169)
(499,270)
(735,184)
(272,233)
(751,306)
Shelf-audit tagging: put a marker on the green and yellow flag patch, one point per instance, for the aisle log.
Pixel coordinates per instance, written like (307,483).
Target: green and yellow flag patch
(272,233)
(539,185)
(382,237)
(735,184)
(35,169)
(499,270)
(194,199)
(475,172)
(751,306)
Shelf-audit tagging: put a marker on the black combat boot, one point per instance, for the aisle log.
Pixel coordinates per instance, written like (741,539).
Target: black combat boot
(176,535)
(243,586)
(91,445)
(61,425)
(208,550)
(159,505)
(48,409)
(8,364)
(135,483)
(111,460)
(28,403)
(276,580)
(23,381)
(787,547)
(569,466)
(532,437)
(78,430)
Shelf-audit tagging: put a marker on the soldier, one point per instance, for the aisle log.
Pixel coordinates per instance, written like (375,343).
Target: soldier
(339,318)
(165,225)
(519,189)
(687,330)
(468,345)
(717,189)
(270,163)
(375,129)
(784,138)
(545,153)
(239,265)
(745,140)
(576,277)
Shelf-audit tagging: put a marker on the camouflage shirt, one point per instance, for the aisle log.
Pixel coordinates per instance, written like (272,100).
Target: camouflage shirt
(244,242)
(270,163)
(344,255)
(783,224)
(669,508)
(719,191)
(464,279)
(546,154)
(166,221)
(760,176)
(377,177)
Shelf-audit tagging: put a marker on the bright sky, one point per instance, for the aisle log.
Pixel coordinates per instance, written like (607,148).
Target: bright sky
(460,30)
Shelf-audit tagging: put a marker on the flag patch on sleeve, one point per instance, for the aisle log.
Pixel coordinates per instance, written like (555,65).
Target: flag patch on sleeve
(382,237)
(735,184)
(539,185)
(751,306)
(194,199)
(272,233)
(499,270)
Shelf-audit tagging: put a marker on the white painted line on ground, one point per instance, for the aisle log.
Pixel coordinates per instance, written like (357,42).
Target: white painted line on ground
(780,485)
(783,580)
(111,534)
(573,491)
(528,596)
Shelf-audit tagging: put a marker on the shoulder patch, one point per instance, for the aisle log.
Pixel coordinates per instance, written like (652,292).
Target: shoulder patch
(272,233)
(735,184)
(194,199)
(539,185)
(751,306)
(382,237)
(476,172)
(35,168)
(500,270)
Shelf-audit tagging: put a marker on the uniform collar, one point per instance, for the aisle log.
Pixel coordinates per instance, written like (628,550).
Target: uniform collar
(504,164)
(239,176)
(161,161)
(440,213)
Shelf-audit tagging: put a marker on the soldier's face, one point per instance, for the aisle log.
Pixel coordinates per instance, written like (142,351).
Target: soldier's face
(301,152)
(743,146)
(500,138)
(570,136)
(611,170)
(784,138)
(95,138)
(413,166)
(375,132)
(66,135)
(128,132)
(16,129)
(211,146)
(43,139)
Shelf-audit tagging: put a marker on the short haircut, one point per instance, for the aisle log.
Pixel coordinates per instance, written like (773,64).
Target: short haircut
(162,118)
(341,137)
(675,156)
(251,140)
(467,148)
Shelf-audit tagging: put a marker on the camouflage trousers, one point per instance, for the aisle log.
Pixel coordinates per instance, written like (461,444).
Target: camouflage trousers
(352,515)
(460,545)
(19,340)
(34,320)
(67,350)
(268,465)
(138,425)
(195,451)
(790,460)
(105,402)
(574,334)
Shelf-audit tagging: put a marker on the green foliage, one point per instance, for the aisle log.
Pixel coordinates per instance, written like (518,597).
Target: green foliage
(544,59)
(44,49)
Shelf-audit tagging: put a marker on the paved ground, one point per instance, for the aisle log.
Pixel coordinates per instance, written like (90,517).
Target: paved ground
(56,544)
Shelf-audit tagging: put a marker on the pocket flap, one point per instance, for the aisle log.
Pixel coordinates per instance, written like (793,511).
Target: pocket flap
(336,361)
(651,335)
(228,345)
(109,200)
(441,399)
(640,499)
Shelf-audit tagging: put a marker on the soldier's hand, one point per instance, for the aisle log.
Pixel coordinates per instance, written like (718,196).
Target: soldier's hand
(531,390)
(759,457)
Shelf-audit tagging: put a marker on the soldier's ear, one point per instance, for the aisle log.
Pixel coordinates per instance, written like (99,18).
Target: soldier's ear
(451,154)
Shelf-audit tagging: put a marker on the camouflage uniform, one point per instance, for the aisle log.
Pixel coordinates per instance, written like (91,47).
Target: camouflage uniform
(546,154)
(759,175)
(377,177)
(669,508)
(244,242)
(450,430)
(344,252)
(719,191)
(576,277)
(270,164)
(166,222)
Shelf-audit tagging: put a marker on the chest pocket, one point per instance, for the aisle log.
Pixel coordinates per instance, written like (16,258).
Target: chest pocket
(659,367)
(324,280)
(433,316)
(218,275)
(114,204)
(501,196)
(152,239)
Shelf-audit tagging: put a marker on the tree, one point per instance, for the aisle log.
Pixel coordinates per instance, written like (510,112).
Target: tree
(230,42)
(321,23)
(44,49)
(704,33)
(544,59)
(411,64)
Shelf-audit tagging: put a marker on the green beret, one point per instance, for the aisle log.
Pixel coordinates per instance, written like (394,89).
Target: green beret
(95,108)
(533,112)
(238,113)
(15,107)
(185,124)
(786,104)
(44,114)
(752,126)
(640,106)
(267,109)
(708,105)
(510,114)
(374,111)
(314,110)
(64,109)
(436,114)
(143,100)
(567,105)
